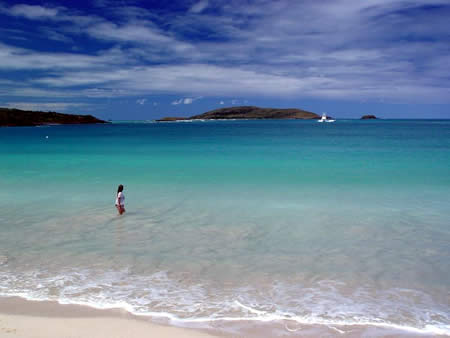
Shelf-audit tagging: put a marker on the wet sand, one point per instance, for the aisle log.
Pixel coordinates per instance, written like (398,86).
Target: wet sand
(20,318)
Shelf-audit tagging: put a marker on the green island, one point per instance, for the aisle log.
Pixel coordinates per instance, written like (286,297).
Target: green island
(249,113)
(18,118)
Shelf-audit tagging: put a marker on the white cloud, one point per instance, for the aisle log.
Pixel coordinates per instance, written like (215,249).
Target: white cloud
(215,80)
(186,100)
(343,49)
(44,106)
(57,14)
(137,32)
(221,102)
(102,92)
(141,101)
(199,6)
(12,58)
(33,12)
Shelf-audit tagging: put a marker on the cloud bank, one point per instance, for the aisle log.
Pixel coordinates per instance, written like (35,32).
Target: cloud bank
(392,50)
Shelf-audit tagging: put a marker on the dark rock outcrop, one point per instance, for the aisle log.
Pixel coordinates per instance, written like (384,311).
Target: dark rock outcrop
(17,117)
(251,113)
(368,117)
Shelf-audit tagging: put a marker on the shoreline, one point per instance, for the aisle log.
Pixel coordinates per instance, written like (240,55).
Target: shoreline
(26,318)
(20,318)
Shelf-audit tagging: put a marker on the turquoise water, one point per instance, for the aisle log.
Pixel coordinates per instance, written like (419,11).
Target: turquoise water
(338,224)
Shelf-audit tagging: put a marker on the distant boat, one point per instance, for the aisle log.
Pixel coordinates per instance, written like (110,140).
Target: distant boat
(325,119)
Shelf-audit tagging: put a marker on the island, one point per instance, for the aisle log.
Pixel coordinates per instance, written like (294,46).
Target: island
(21,118)
(369,117)
(249,113)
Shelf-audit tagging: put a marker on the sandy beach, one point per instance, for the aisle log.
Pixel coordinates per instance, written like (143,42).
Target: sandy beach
(20,318)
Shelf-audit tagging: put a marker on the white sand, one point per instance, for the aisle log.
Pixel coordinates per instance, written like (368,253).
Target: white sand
(99,327)
(20,319)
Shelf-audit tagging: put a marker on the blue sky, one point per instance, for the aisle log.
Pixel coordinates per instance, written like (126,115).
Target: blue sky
(146,59)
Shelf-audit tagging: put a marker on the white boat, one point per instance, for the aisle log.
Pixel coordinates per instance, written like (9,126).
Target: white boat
(325,119)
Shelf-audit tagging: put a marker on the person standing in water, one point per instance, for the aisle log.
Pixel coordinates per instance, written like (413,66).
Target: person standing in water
(120,198)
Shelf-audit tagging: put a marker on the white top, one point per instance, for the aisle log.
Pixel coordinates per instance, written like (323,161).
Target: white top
(120,198)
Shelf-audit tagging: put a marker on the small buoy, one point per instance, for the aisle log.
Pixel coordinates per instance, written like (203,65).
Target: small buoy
(46,136)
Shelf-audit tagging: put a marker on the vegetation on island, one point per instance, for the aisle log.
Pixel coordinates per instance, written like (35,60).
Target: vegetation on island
(16,117)
(249,113)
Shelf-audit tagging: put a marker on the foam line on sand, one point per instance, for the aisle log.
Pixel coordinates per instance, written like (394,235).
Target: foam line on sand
(19,318)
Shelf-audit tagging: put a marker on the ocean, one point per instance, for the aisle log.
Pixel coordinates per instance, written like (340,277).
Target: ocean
(234,225)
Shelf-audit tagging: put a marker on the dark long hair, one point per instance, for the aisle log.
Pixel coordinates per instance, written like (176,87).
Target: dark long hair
(119,189)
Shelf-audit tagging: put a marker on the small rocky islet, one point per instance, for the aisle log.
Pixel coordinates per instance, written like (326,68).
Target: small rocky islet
(369,117)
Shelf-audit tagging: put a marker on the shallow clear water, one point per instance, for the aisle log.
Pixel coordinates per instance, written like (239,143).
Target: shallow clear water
(334,224)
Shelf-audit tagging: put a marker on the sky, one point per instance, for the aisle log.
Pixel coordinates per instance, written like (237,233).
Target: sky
(145,59)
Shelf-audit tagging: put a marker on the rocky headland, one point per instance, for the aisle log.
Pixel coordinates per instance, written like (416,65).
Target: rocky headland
(250,113)
(369,117)
(16,118)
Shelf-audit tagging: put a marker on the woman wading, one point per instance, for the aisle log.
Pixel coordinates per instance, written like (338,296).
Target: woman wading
(120,198)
